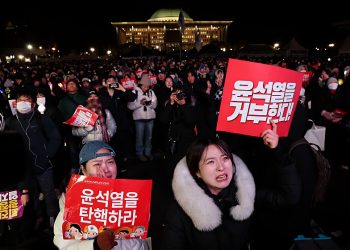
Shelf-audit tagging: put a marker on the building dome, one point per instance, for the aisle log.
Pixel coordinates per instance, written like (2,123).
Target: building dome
(168,15)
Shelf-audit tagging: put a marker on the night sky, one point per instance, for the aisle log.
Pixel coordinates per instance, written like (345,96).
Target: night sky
(78,27)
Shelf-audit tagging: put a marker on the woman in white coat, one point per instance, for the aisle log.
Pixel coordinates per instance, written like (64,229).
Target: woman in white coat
(143,115)
(105,126)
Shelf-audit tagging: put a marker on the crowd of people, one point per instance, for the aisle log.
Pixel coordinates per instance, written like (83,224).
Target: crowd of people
(229,190)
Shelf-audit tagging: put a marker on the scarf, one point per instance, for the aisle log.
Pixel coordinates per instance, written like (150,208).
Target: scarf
(95,106)
(225,199)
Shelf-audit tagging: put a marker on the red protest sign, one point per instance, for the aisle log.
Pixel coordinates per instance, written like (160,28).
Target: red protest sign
(153,80)
(10,205)
(82,117)
(254,94)
(93,204)
(128,84)
(139,72)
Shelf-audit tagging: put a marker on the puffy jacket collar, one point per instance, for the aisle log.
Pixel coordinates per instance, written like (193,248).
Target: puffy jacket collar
(202,210)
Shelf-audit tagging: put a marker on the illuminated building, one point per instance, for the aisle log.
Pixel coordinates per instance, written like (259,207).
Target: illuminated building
(162,31)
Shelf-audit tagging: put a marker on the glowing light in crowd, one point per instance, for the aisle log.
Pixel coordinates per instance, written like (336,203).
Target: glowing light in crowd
(276,46)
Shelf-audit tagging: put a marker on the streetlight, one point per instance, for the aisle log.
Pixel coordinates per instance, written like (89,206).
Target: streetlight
(92,49)
(276,46)
(30,48)
(53,52)
(109,52)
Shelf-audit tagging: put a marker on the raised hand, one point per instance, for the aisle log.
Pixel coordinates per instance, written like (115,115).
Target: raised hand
(270,136)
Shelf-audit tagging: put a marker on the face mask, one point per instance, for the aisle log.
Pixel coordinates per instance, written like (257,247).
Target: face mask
(41,101)
(41,109)
(24,107)
(333,86)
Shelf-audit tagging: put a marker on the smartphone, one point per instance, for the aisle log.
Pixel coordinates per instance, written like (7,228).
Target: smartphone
(113,85)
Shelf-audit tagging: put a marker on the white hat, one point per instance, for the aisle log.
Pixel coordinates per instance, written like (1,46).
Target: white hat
(85,79)
(332,80)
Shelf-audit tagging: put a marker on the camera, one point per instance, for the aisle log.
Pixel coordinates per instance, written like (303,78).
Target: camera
(113,85)
(148,102)
(180,95)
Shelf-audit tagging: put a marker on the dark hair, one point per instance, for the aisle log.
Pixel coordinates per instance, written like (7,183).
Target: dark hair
(328,71)
(197,148)
(169,76)
(110,76)
(77,226)
(27,93)
(193,73)
(74,80)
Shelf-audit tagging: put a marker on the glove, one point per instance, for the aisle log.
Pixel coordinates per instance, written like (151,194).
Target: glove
(105,240)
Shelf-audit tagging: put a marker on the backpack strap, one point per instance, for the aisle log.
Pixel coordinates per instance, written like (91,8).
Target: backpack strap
(297,143)
(315,146)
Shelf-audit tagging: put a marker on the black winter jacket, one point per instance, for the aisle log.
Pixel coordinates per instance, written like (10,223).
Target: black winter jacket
(201,221)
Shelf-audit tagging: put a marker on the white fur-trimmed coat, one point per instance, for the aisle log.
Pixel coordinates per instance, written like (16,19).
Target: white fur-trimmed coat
(196,222)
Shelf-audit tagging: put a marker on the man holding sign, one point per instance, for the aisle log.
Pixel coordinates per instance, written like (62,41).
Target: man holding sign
(97,160)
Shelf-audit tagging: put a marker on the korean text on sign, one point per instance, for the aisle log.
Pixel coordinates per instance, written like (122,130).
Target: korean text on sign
(262,103)
(114,204)
(96,203)
(10,205)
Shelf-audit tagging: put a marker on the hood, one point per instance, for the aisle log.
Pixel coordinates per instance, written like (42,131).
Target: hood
(202,210)
(62,201)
